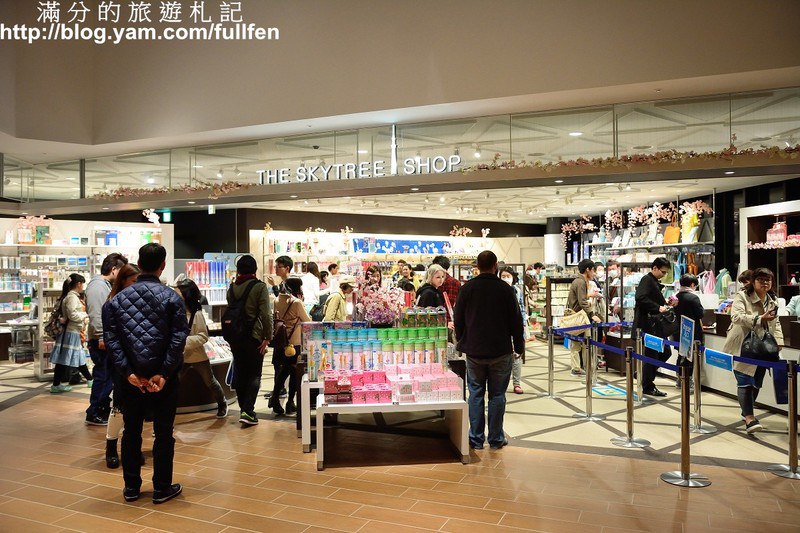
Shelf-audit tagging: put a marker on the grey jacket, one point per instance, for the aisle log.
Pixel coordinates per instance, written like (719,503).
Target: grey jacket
(745,313)
(97,292)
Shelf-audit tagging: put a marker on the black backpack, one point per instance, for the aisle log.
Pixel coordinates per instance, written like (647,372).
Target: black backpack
(236,328)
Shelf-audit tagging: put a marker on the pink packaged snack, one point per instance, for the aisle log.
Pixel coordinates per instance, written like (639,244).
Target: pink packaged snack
(359,395)
(331,385)
(384,396)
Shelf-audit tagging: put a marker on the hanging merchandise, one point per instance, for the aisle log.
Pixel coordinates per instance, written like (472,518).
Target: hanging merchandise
(723,280)
(673,232)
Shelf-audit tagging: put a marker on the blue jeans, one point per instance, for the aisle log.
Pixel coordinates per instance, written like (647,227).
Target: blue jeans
(102,382)
(494,373)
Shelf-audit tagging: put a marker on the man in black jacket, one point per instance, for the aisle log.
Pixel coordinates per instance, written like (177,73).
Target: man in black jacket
(488,327)
(650,301)
(145,336)
(689,305)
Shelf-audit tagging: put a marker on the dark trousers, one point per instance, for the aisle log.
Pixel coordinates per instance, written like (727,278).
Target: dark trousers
(286,369)
(649,371)
(206,373)
(62,373)
(248,363)
(102,382)
(163,405)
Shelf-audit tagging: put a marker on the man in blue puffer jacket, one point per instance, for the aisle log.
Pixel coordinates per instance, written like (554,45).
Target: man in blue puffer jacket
(145,337)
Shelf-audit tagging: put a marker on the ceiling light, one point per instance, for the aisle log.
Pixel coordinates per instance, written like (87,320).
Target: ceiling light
(363,203)
(486,195)
(151,180)
(363,152)
(575,133)
(237,171)
(627,186)
(212,209)
(104,209)
(415,189)
(293,196)
(427,199)
(456,151)
(418,157)
(191,202)
(305,202)
(729,172)
(477,153)
(70,179)
(559,181)
(219,173)
(441,199)
(468,190)
(197,166)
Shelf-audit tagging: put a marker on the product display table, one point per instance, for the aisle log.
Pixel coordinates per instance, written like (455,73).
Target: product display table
(305,409)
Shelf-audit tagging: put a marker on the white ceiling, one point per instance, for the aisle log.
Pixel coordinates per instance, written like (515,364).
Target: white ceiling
(532,205)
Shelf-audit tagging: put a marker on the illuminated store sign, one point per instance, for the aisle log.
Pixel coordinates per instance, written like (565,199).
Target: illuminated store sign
(355,171)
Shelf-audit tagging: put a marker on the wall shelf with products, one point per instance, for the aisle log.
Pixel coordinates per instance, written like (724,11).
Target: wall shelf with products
(556,294)
(776,228)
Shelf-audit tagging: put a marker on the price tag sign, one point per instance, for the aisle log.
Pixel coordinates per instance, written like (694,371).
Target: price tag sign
(687,337)
(719,359)
(653,342)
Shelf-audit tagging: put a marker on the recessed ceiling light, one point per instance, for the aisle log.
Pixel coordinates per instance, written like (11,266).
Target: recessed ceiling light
(70,179)
(151,180)
(25,213)
(575,133)
(478,153)
(414,189)
(293,196)
(729,172)
(197,166)
(104,209)
(191,202)
(441,199)
(559,181)
(468,190)
(363,151)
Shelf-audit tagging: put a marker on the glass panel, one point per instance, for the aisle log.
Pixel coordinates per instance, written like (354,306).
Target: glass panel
(147,170)
(698,124)
(766,118)
(181,166)
(230,162)
(563,135)
(13,171)
(476,140)
(45,181)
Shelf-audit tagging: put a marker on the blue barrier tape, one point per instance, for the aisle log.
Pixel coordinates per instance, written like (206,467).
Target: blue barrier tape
(656,362)
(775,365)
(607,348)
(574,338)
(561,331)
(672,343)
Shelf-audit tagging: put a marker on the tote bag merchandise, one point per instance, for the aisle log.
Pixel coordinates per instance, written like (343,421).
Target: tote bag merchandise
(760,347)
(673,232)
(572,318)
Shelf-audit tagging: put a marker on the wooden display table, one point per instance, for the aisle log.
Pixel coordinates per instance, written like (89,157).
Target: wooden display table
(456,418)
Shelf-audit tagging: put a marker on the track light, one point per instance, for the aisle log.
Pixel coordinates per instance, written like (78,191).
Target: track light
(219,173)
(427,199)
(237,171)
(441,199)
(418,157)
(627,186)
(456,151)
(477,153)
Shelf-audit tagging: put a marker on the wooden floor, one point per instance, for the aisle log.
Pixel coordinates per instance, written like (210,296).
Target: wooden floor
(53,478)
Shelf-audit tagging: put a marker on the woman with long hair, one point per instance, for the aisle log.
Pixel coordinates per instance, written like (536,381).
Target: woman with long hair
(194,355)
(289,308)
(126,276)
(754,309)
(68,350)
(311,285)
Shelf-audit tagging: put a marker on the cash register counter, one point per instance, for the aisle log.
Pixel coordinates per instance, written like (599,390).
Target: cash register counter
(723,381)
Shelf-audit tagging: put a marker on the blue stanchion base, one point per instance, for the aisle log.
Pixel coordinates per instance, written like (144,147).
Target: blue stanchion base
(784,471)
(624,442)
(702,430)
(588,417)
(676,478)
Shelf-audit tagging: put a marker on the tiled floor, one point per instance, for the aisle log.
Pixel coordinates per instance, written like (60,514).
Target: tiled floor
(53,477)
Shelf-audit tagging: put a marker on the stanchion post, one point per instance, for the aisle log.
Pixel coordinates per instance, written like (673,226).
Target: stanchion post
(629,441)
(698,426)
(550,364)
(789,471)
(640,399)
(684,477)
(589,373)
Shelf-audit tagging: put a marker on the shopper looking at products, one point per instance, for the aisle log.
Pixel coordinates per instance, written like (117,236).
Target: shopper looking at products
(398,273)
(68,350)
(451,285)
(754,309)
(430,293)
(333,280)
(289,308)
(146,334)
(311,285)
(126,276)
(406,275)
(336,304)
(97,292)
(248,355)
(373,278)
(283,267)
(650,301)
(324,278)
(581,298)
(488,327)
(194,355)
(689,305)
(510,276)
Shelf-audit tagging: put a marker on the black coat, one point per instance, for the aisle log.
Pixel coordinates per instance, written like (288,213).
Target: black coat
(648,301)
(429,296)
(689,305)
(487,318)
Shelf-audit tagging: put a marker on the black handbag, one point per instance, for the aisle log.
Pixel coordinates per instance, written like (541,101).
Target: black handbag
(666,324)
(760,348)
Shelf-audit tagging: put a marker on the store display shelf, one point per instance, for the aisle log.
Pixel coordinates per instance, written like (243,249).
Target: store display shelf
(646,246)
(13,312)
(361,408)
(10,291)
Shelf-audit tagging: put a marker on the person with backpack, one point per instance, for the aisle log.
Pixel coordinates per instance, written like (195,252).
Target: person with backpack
(194,355)
(69,319)
(289,314)
(247,326)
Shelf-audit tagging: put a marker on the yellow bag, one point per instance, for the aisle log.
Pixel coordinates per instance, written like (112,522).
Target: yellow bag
(672,235)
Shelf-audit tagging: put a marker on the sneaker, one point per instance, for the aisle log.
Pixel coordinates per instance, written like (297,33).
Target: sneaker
(248,419)
(517,389)
(130,494)
(655,392)
(754,426)
(291,408)
(476,446)
(283,393)
(275,404)
(89,383)
(222,410)
(55,389)
(96,421)
(577,373)
(161,496)
(504,443)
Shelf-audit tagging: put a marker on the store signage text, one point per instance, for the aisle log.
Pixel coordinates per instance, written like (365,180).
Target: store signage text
(355,171)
